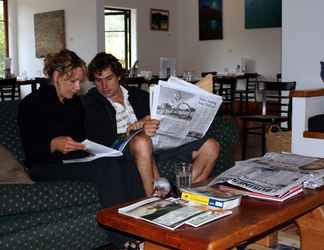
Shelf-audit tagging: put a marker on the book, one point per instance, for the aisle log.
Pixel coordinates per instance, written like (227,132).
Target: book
(212,197)
(172,213)
(97,150)
(291,193)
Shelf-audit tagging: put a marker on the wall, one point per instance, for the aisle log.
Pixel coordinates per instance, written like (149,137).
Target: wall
(80,25)
(151,44)
(84,30)
(303,45)
(261,45)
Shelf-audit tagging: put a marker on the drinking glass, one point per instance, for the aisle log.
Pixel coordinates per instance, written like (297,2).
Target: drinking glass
(183,175)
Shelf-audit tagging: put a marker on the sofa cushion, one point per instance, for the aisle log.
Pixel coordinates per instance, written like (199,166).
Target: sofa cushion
(11,171)
(45,196)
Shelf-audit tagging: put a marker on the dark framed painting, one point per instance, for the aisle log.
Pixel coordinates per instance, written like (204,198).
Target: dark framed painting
(159,19)
(210,19)
(263,14)
(49,32)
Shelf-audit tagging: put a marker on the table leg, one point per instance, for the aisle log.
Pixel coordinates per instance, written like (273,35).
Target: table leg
(311,228)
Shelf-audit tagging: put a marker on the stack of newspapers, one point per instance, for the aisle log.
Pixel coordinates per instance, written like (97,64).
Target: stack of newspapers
(185,112)
(275,176)
(172,213)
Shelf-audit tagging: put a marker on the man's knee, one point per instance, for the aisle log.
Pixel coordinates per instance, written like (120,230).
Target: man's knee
(211,148)
(141,143)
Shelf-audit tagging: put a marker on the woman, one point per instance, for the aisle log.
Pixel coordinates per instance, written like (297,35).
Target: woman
(51,126)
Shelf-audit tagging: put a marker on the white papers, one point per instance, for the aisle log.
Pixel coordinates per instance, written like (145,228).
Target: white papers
(185,112)
(96,151)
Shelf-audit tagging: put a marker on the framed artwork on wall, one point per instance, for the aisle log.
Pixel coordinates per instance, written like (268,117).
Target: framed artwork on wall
(263,14)
(159,19)
(210,19)
(49,32)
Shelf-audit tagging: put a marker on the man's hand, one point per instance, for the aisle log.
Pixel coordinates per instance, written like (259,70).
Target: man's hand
(150,126)
(65,144)
(136,125)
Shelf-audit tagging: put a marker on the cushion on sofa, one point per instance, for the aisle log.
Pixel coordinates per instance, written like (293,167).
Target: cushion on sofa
(11,171)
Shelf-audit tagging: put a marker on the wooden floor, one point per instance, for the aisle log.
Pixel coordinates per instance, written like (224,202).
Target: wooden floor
(288,238)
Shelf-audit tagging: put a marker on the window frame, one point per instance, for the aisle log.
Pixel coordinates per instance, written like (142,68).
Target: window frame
(127,32)
(5,23)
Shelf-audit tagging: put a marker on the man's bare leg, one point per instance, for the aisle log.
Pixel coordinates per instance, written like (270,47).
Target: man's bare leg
(203,160)
(142,150)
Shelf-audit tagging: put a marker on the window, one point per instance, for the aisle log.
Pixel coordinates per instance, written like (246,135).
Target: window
(3,33)
(118,34)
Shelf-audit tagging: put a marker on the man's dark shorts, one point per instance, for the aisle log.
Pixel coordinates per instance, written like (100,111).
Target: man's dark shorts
(182,153)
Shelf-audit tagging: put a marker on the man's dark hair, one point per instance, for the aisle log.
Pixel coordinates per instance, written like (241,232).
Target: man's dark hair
(102,61)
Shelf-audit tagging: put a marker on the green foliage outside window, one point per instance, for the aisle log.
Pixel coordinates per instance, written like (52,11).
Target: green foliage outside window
(2,39)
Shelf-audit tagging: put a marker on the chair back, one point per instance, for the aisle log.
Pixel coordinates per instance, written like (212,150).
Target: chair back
(213,73)
(276,99)
(9,89)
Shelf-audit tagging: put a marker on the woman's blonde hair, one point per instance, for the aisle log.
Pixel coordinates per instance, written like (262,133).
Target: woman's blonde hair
(63,62)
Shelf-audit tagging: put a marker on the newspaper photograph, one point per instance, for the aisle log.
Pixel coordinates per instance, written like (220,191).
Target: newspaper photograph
(185,112)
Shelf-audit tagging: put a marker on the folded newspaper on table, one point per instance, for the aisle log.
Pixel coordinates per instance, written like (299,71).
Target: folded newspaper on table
(171,213)
(274,174)
(185,112)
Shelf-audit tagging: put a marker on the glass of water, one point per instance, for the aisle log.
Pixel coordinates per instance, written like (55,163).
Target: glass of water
(184,175)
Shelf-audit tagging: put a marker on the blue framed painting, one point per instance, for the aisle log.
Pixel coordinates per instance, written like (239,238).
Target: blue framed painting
(210,19)
(263,14)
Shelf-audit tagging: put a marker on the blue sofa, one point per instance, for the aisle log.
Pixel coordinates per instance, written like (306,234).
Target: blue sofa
(61,214)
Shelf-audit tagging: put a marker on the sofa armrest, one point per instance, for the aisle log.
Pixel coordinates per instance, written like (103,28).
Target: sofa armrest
(45,196)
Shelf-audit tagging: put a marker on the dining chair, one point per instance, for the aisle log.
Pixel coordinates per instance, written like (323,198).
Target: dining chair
(215,84)
(276,109)
(227,87)
(248,94)
(9,89)
(134,81)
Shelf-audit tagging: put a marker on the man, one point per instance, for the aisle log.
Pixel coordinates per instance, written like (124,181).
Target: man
(112,110)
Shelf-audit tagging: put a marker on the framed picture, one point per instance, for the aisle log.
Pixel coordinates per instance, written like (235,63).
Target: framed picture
(49,32)
(159,19)
(262,14)
(210,19)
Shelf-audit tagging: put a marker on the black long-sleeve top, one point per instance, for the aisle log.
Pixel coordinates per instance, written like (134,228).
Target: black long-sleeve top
(42,117)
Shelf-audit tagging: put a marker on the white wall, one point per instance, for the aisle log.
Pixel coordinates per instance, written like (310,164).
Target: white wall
(303,42)
(261,45)
(84,34)
(80,26)
(151,44)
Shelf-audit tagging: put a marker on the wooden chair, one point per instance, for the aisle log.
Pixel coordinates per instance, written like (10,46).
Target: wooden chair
(249,93)
(133,81)
(9,89)
(276,109)
(227,87)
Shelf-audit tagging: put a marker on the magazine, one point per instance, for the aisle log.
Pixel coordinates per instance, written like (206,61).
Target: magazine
(212,197)
(97,150)
(170,213)
(185,112)
(207,217)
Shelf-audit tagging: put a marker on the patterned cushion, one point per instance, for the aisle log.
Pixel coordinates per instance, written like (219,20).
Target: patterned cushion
(42,196)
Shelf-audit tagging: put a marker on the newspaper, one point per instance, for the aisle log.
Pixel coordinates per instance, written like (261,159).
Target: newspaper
(270,175)
(185,112)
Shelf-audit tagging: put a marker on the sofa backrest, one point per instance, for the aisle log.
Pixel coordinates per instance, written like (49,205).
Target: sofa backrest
(9,131)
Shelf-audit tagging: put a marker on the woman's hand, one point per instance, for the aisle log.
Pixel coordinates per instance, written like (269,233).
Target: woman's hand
(65,144)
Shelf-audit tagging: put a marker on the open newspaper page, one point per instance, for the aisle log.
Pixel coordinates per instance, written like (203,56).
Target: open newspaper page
(261,178)
(170,213)
(185,112)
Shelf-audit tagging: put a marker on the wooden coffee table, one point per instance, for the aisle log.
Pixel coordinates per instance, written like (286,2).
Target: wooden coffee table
(251,221)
